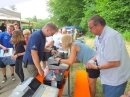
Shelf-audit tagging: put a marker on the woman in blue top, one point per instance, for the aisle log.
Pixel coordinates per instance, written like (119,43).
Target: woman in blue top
(83,53)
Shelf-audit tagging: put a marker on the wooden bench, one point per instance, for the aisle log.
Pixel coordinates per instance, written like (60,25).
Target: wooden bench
(81,88)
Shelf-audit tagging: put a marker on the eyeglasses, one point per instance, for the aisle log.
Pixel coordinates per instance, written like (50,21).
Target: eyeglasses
(91,27)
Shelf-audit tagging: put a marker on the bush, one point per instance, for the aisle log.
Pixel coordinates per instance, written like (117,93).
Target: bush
(90,35)
(126,35)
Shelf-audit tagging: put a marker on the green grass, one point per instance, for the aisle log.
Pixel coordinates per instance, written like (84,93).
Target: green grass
(126,35)
(99,92)
(80,66)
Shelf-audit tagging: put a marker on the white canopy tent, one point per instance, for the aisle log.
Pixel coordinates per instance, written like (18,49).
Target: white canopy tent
(8,14)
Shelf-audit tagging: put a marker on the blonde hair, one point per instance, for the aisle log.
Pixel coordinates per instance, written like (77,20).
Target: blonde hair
(26,31)
(67,41)
(17,37)
(16,24)
(10,25)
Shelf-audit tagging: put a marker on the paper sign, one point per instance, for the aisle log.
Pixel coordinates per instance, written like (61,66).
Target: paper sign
(7,53)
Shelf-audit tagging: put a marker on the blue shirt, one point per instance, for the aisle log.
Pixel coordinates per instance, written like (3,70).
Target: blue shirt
(36,42)
(5,40)
(85,53)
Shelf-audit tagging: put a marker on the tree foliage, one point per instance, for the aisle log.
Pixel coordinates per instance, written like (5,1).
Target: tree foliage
(77,12)
(13,7)
(115,12)
(66,12)
(40,22)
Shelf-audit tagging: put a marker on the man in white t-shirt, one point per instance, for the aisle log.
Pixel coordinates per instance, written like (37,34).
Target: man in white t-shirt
(48,45)
(49,42)
(64,31)
(112,57)
(56,38)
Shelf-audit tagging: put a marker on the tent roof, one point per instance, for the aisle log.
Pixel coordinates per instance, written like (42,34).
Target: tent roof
(25,22)
(9,14)
(71,27)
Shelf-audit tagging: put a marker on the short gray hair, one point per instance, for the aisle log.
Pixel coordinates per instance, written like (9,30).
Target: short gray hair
(98,19)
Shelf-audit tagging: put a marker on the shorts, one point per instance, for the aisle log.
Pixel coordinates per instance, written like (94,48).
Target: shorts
(92,73)
(32,70)
(2,65)
(46,56)
(114,91)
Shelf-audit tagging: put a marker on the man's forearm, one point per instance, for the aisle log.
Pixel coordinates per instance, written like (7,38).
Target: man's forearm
(110,65)
(46,50)
(1,46)
(36,59)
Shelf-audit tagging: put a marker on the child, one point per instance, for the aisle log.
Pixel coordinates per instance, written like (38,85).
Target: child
(19,49)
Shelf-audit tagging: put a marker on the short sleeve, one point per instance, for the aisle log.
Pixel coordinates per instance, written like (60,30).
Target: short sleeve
(111,49)
(1,34)
(23,42)
(35,42)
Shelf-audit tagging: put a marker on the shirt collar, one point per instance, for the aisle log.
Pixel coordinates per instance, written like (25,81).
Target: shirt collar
(42,34)
(8,33)
(103,33)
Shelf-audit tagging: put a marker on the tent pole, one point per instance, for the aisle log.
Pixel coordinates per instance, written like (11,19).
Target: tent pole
(20,23)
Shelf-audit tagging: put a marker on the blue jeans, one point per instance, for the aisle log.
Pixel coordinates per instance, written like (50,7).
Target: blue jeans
(114,91)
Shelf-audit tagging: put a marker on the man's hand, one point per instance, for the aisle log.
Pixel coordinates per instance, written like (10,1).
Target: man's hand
(41,72)
(57,59)
(91,65)
(54,52)
(5,49)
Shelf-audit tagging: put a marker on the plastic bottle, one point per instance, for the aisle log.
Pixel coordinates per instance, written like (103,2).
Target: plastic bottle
(46,71)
